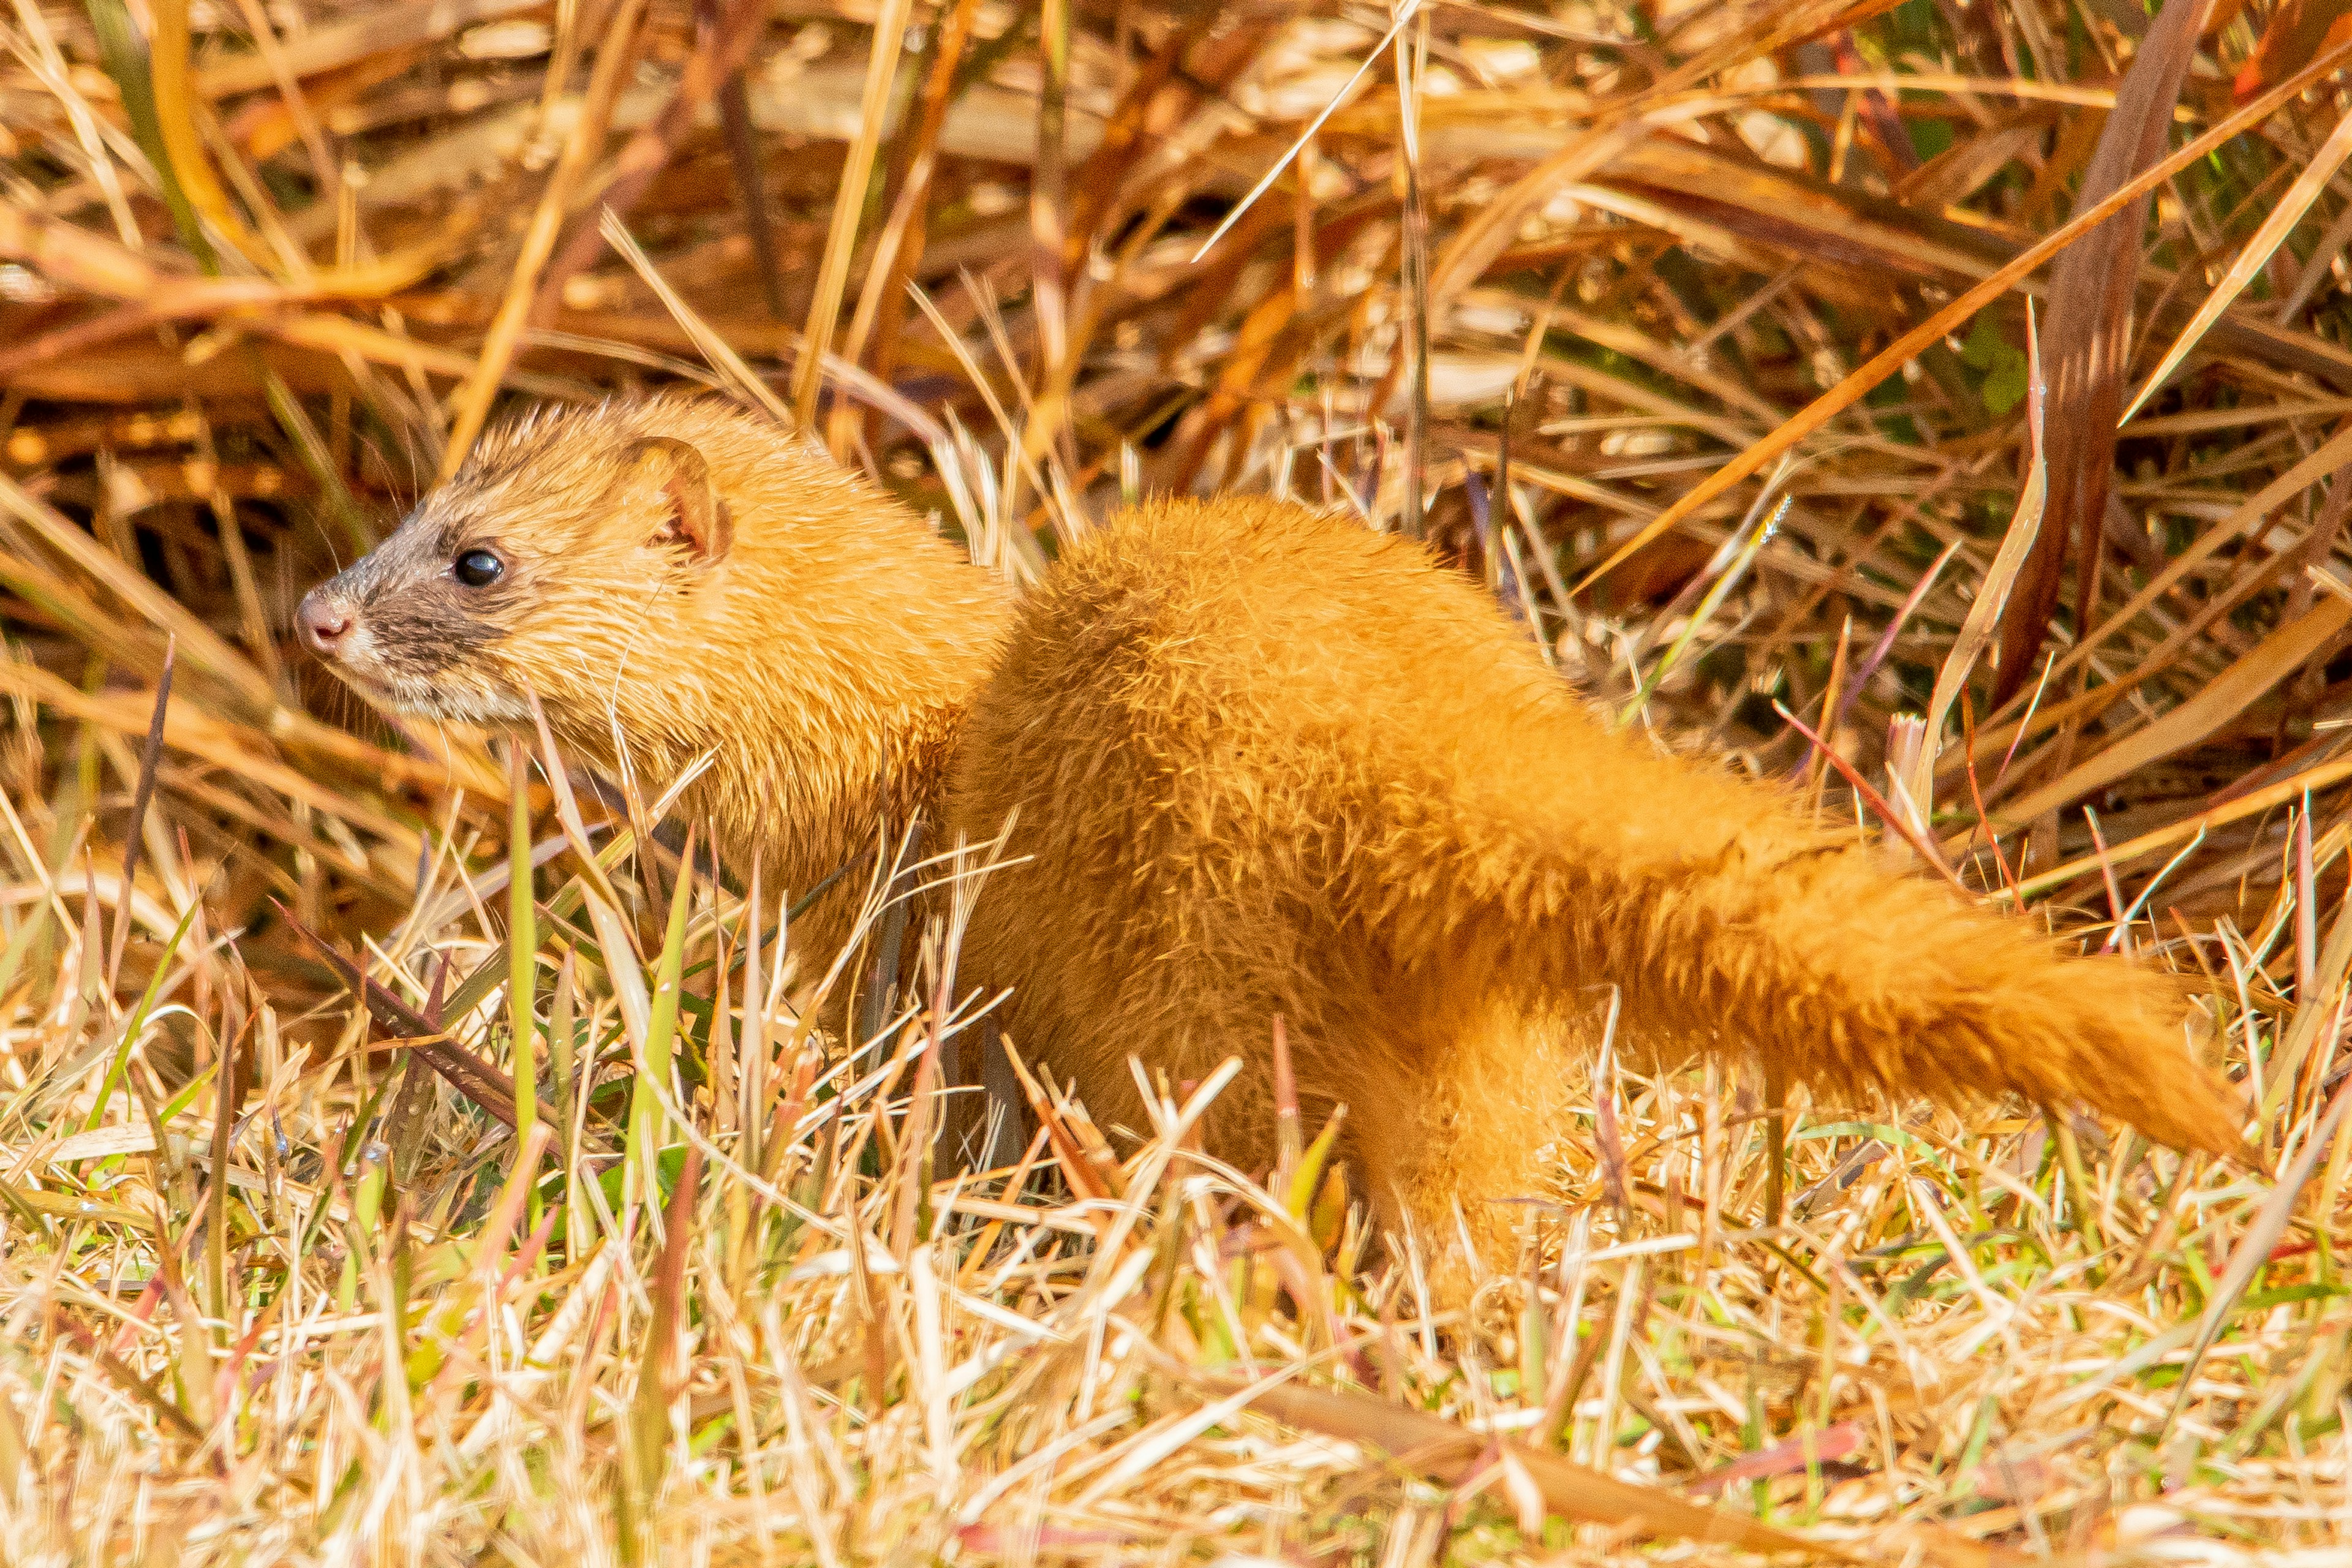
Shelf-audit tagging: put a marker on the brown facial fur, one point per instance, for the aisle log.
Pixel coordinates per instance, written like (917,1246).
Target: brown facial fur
(1264,762)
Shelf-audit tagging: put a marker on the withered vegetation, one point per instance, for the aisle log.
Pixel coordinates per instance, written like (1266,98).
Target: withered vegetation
(1961,383)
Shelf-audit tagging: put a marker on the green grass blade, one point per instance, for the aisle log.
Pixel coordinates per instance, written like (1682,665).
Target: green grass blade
(137,1021)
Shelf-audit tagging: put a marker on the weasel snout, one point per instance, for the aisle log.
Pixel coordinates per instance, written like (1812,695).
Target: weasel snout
(325,619)
(406,632)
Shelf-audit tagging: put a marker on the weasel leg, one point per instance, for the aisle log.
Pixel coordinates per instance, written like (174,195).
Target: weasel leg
(1462,1141)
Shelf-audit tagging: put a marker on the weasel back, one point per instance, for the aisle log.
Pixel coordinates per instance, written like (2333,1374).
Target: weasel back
(1268,761)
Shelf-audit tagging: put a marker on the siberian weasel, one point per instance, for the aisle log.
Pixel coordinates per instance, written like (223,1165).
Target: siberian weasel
(1259,762)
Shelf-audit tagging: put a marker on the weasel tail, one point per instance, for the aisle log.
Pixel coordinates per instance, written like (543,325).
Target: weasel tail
(1268,762)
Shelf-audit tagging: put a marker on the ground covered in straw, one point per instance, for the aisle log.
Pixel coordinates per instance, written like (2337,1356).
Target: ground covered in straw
(1963,383)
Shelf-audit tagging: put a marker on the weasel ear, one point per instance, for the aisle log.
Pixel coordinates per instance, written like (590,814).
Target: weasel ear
(697,517)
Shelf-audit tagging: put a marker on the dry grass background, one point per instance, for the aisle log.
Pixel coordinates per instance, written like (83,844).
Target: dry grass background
(1748,303)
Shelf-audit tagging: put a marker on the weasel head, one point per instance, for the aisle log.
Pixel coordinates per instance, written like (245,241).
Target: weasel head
(566,549)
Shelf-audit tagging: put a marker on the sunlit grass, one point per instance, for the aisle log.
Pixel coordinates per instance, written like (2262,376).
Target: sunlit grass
(292,1269)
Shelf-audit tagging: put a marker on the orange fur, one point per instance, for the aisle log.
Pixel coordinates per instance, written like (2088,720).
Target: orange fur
(827,656)
(1266,761)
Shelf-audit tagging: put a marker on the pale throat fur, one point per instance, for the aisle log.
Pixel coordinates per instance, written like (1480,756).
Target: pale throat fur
(669,579)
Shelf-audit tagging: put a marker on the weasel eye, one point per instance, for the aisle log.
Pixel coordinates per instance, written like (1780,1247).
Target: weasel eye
(478,568)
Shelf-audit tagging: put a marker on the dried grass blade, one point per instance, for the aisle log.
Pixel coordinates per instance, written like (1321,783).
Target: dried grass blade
(211,743)
(646,1443)
(1731,565)
(177,108)
(150,752)
(67,254)
(2315,1005)
(387,27)
(1885,644)
(2243,519)
(580,149)
(1903,350)
(1049,197)
(2091,295)
(849,205)
(930,1370)
(210,652)
(497,966)
(2255,1245)
(2218,702)
(2296,30)
(1984,611)
(523,948)
(1899,822)
(2254,256)
(898,251)
(751,190)
(478,1081)
(1797,1453)
(714,348)
(539,1364)
(2323,776)
(1442,1449)
(1241,208)
(723,40)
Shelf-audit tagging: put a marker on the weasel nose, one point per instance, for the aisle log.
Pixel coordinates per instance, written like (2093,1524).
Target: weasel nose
(324,622)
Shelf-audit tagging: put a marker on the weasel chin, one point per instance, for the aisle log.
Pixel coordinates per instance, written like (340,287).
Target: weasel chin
(455,701)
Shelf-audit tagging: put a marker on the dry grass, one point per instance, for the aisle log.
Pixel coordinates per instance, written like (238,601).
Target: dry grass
(276,1284)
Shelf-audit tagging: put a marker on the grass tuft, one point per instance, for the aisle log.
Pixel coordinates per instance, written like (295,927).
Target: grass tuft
(409,1150)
